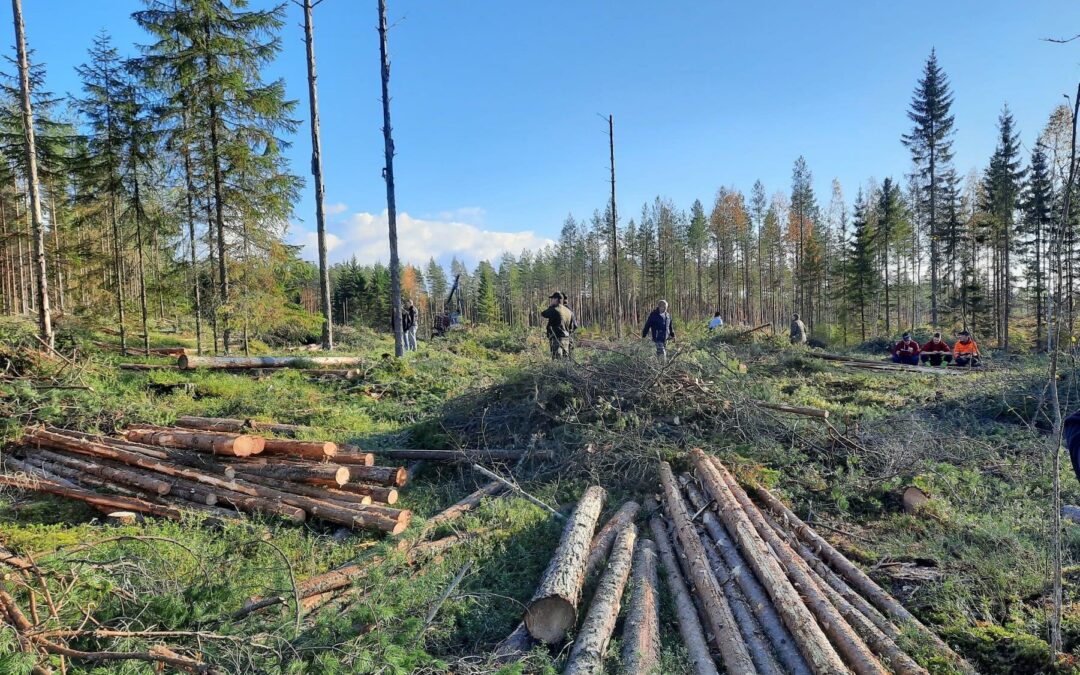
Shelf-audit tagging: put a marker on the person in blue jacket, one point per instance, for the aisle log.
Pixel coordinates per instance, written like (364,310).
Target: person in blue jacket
(661,328)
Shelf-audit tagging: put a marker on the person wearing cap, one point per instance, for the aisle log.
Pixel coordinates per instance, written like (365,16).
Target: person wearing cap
(965,352)
(560,322)
(936,352)
(661,327)
(798,330)
(906,351)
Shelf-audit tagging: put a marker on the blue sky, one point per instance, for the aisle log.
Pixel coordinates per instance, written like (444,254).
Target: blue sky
(495,102)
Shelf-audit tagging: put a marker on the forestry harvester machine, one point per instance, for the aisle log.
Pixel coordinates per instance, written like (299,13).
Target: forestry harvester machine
(450,318)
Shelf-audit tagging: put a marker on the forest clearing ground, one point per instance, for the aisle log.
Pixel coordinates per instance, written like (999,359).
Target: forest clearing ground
(974,563)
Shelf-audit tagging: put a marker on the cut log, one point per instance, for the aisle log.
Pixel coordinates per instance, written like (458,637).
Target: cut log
(854,650)
(389,476)
(590,643)
(346,499)
(464,455)
(344,456)
(462,507)
(312,474)
(386,495)
(210,423)
(289,430)
(243,362)
(812,642)
(641,632)
(717,613)
(126,477)
(764,613)
(146,366)
(241,445)
(315,450)
(858,579)
(40,471)
(795,410)
(601,543)
(693,636)
(190,459)
(552,611)
(95,499)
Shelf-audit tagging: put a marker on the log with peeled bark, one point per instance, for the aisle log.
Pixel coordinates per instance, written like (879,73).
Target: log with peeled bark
(552,611)
(385,495)
(124,477)
(605,536)
(194,460)
(95,499)
(590,643)
(641,632)
(460,508)
(315,450)
(331,475)
(347,454)
(216,443)
(387,476)
(859,581)
(693,635)
(715,607)
(811,640)
(246,362)
(782,643)
(858,655)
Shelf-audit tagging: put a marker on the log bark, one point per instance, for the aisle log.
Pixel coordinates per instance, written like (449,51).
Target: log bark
(605,537)
(783,644)
(386,495)
(463,506)
(122,476)
(330,475)
(194,460)
(95,499)
(641,632)
(717,613)
(552,611)
(813,644)
(346,499)
(38,469)
(353,457)
(210,423)
(858,579)
(315,450)
(858,655)
(693,636)
(246,362)
(239,445)
(387,476)
(590,643)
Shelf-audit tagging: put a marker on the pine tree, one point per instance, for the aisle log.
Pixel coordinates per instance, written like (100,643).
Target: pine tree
(930,142)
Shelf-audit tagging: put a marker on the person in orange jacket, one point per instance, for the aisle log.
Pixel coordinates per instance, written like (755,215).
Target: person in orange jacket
(965,352)
(936,351)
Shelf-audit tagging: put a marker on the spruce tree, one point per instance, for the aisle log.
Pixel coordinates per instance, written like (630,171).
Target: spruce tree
(1037,225)
(890,214)
(1003,182)
(862,273)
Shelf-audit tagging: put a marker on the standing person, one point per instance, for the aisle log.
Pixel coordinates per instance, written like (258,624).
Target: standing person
(409,326)
(906,351)
(661,327)
(965,352)
(560,323)
(936,352)
(716,322)
(798,330)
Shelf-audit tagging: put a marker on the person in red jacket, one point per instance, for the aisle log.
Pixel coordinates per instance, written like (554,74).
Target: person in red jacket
(936,352)
(906,351)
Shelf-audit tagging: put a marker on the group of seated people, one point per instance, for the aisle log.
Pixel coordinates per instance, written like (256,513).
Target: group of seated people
(937,352)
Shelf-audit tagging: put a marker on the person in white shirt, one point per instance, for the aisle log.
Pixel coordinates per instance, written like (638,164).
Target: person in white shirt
(716,322)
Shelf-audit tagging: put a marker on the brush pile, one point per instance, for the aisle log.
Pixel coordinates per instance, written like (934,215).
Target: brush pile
(209,467)
(798,605)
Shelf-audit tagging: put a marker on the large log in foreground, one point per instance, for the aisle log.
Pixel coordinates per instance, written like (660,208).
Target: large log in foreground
(854,576)
(246,362)
(234,445)
(693,635)
(641,632)
(552,611)
(716,610)
(590,644)
(814,645)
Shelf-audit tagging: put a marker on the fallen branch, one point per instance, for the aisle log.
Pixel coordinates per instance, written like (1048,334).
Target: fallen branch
(513,486)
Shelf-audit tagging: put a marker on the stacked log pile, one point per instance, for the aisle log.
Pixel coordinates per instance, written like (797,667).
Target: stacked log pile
(165,471)
(757,586)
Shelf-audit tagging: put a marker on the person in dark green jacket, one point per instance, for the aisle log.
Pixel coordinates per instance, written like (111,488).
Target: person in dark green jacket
(560,326)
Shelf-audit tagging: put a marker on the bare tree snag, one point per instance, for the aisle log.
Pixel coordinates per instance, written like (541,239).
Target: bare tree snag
(388,176)
(552,611)
(605,537)
(717,613)
(641,632)
(812,642)
(693,635)
(590,644)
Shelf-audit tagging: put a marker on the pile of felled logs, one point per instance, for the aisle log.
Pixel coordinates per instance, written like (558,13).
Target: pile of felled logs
(164,471)
(797,604)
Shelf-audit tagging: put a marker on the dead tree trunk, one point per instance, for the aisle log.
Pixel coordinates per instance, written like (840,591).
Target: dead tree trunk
(34,187)
(590,644)
(316,173)
(391,200)
(617,307)
(641,633)
(552,611)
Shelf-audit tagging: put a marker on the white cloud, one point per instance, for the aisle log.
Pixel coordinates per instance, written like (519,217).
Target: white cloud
(336,209)
(365,236)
